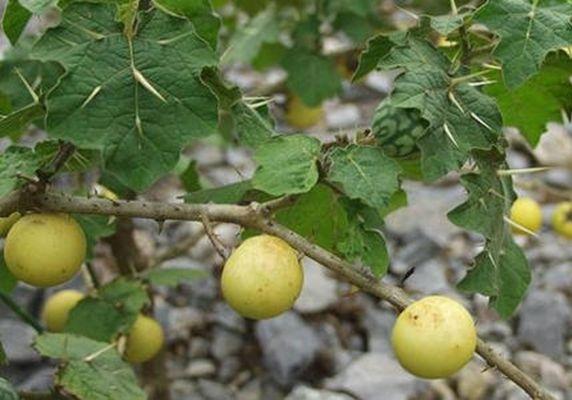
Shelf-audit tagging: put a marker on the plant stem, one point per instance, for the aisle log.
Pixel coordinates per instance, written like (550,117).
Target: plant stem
(255,216)
(21,313)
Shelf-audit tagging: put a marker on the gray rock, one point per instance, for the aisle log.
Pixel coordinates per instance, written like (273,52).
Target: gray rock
(226,317)
(228,369)
(559,277)
(307,393)
(374,374)
(552,374)
(38,380)
(429,278)
(473,383)
(184,390)
(338,357)
(427,212)
(342,116)
(378,325)
(319,291)
(17,338)
(183,321)
(225,343)
(200,368)
(251,391)
(413,253)
(288,345)
(199,347)
(544,317)
(212,390)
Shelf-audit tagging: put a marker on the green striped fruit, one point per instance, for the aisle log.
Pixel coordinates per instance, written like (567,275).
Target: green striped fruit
(397,129)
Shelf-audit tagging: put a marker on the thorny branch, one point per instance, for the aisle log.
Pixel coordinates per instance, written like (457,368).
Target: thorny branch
(254,216)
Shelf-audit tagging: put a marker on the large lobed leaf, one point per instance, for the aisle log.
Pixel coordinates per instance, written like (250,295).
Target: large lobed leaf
(528,30)
(90,370)
(501,271)
(139,99)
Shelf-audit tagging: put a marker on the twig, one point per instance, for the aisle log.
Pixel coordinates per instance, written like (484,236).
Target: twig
(253,216)
(21,313)
(219,247)
(92,275)
(46,172)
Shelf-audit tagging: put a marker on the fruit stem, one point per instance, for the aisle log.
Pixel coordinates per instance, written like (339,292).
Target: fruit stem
(21,313)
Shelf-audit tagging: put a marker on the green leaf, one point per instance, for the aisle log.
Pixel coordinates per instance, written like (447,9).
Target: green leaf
(13,123)
(377,47)
(3,359)
(112,312)
(311,76)
(252,128)
(90,370)
(22,160)
(528,31)
(7,281)
(318,216)
(287,165)
(190,177)
(501,271)
(364,173)
(539,100)
(246,43)
(14,20)
(200,13)
(38,6)
(461,118)
(95,227)
(229,194)
(363,240)
(140,100)
(446,24)
(7,391)
(173,276)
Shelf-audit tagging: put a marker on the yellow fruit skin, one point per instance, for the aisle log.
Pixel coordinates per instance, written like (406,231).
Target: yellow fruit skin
(8,222)
(45,249)
(57,308)
(434,337)
(527,213)
(299,115)
(262,278)
(144,341)
(562,219)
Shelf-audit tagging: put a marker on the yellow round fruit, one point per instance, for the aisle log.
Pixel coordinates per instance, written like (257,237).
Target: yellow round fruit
(45,249)
(301,116)
(527,213)
(8,222)
(562,219)
(144,341)
(434,337)
(57,308)
(262,278)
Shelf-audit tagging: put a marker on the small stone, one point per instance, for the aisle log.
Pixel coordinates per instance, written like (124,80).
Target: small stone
(559,277)
(183,321)
(251,391)
(473,383)
(544,317)
(374,374)
(39,380)
(288,346)
(343,116)
(184,390)
(228,369)
(414,253)
(319,291)
(212,390)
(378,325)
(429,278)
(199,347)
(225,343)
(552,374)
(17,338)
(200,368)
(307,393)
(226,317)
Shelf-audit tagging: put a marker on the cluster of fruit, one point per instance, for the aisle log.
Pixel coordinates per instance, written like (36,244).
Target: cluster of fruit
(526,216)
(45,250)
(432,338)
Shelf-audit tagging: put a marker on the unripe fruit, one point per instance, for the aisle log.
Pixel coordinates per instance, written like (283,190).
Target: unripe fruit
(301,116)
(8,222)
(262,278)
(57,308)
(434,337)
(527,213)
(45,249)
(144,340)
(562,219)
